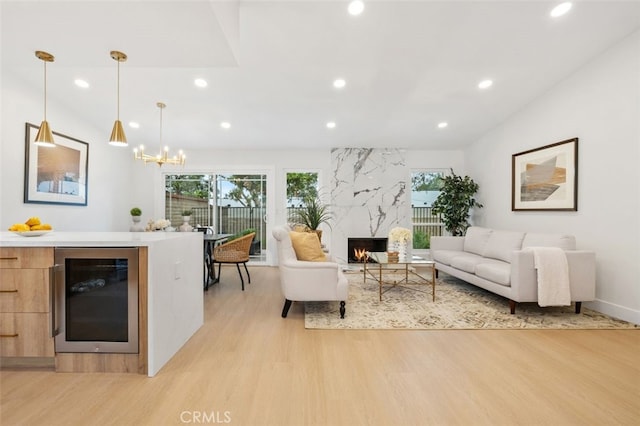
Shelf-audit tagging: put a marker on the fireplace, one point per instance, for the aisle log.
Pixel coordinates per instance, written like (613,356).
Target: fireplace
(356,245)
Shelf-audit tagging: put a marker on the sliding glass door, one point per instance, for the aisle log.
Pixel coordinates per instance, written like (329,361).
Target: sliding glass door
(227,202)
(241,204)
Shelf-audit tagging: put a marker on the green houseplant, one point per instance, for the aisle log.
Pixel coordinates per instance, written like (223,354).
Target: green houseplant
(314,213)
(136,214)
(454,202)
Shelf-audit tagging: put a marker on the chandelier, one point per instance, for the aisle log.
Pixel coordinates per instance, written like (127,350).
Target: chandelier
(163,157)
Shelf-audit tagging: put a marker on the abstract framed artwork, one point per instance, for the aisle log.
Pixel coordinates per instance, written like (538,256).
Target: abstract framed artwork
(55,175)
(546,178)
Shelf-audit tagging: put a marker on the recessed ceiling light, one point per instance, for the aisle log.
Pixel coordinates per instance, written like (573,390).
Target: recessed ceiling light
(331,124)
(225,125)
(81,83)
(560,9)
(339,83)
(485,84)
(134,125)
(356,7)
(200,82)
(442,125)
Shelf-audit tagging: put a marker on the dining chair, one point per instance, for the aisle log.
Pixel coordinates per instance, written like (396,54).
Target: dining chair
(236,252)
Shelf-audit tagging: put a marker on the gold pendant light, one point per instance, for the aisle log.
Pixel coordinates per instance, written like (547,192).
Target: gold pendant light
(44,136)
(118,137)
(163,157)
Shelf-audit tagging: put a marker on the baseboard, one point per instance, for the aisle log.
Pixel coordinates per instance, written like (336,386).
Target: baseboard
(27,363)
(613,310)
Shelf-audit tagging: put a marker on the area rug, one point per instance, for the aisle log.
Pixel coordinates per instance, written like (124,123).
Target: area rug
(458,305)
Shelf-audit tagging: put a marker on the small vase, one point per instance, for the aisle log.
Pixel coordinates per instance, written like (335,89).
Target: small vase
(185,227)
(402,251)
(402,248)
(136,226)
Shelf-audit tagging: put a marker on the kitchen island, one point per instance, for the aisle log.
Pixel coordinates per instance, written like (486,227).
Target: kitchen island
(170,297)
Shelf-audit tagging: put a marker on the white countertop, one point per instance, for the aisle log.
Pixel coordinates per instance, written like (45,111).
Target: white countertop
(92,239)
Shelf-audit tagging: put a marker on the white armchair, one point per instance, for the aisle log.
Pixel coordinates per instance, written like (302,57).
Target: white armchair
(308,281)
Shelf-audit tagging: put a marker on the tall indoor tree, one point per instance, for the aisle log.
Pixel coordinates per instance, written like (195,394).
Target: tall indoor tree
(454,202)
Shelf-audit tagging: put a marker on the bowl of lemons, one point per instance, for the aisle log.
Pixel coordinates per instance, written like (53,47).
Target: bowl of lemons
(33,227)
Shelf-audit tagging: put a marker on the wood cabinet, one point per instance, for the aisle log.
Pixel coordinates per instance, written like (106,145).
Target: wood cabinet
(25,302)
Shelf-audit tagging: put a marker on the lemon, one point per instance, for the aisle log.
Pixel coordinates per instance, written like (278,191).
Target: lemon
(19,227)
(41,227)
(34,220)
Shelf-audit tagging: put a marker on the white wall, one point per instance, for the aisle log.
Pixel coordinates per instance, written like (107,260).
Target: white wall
(599,104)
(109,176)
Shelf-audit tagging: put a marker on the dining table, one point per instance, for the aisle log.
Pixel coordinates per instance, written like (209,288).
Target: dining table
(210,241)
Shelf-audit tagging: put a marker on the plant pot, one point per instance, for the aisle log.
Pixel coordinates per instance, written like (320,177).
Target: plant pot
(185,227)
(136,226)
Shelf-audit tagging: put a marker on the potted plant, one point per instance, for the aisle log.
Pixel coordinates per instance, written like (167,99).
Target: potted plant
(455,201)
(186,217)
(135,217)
(314,213)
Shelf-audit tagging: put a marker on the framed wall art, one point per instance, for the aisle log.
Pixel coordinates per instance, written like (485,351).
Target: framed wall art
(55,175)
(546,178)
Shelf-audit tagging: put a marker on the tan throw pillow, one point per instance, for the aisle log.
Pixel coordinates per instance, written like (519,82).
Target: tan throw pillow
(307,246)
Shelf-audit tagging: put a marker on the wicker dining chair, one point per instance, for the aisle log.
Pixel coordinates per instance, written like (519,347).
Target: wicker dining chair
(234,251)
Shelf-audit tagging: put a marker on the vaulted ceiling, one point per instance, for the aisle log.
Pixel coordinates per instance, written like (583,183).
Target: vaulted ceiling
(270,66)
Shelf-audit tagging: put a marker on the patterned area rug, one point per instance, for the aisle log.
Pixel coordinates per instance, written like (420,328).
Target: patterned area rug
(458,305)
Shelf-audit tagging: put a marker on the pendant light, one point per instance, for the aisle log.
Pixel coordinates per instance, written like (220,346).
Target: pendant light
(118,137)
(44,136)
(163,157)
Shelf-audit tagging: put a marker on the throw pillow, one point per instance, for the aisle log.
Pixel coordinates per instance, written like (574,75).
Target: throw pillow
(307,246)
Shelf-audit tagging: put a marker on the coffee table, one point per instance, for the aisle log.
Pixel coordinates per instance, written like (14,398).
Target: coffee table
(378,267)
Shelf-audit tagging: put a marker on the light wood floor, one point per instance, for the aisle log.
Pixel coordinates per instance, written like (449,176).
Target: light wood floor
(248,366)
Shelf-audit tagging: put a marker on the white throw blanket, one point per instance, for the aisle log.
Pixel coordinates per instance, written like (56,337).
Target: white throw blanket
(553,276)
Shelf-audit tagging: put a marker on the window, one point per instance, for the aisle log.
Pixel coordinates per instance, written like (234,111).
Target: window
(425,188)
(300,185)
(188,192)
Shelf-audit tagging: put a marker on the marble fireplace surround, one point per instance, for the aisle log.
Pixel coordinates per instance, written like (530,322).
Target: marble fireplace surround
(370,194)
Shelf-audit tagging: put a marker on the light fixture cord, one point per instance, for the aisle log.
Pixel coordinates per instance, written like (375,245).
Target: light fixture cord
(45,90)
(161,130)
(118,107)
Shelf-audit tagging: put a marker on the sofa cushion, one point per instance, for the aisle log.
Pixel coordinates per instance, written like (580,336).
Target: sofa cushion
(565,242)
(466,262)
(495,271)
(307,246)
(501,244)
(475,239)
(445,256)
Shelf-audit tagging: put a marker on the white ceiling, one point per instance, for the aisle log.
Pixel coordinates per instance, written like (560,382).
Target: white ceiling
(270,66)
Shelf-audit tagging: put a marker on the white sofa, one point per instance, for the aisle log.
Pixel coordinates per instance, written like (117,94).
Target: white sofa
(495,261)
(308,281)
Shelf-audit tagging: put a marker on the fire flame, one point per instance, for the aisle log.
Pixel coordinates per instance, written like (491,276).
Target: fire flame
(360,254)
